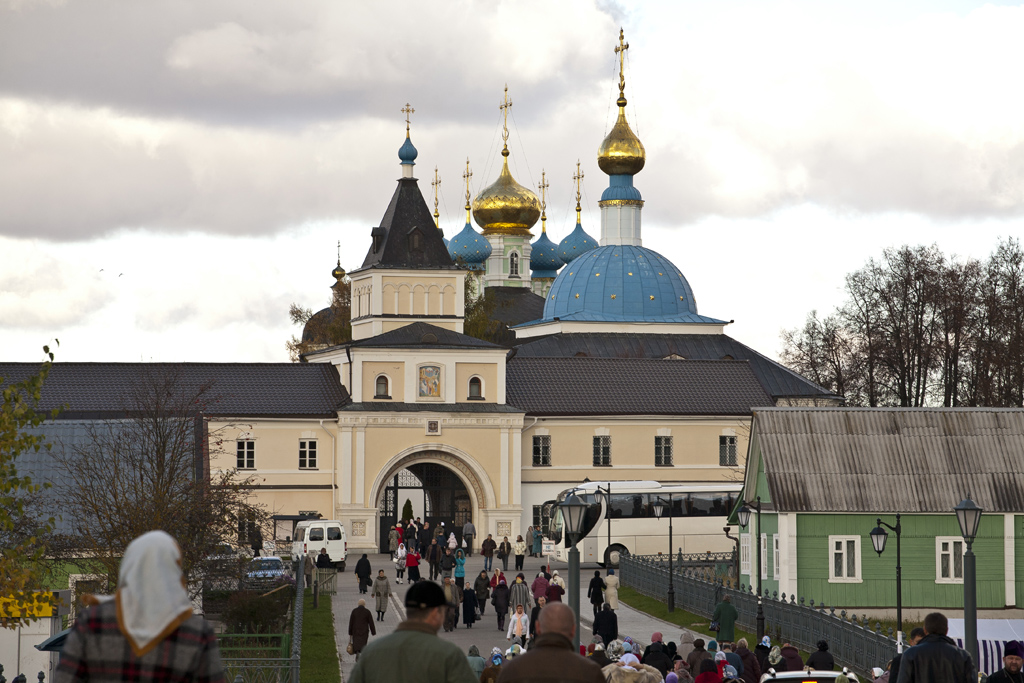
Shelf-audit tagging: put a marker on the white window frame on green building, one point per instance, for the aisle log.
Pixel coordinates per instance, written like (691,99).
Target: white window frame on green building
(848,543)
(947,545)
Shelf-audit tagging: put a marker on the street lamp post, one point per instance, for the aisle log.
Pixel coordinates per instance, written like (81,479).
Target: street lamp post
(968,515)
(573,511)
(878,538)
(659,509)
(744,516)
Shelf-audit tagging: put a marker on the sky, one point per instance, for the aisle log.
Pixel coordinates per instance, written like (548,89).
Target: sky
(174,175)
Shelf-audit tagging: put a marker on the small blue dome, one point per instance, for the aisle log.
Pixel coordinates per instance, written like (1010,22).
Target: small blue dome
(621,187)
(471,247)
(575,244)
(622,283)
(544,260)
(407,153)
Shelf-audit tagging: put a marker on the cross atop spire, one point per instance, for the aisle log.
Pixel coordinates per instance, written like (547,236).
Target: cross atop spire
(407,110)
(578,177)
(436,184)
(466,176)
(504,107)
(543,187)
(339,252)
(620,50)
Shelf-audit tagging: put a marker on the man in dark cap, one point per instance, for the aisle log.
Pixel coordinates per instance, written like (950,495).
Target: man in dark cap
(414,652)
(1013,659)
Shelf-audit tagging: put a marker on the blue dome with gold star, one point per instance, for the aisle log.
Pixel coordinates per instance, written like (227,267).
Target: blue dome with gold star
(575,244)
(544,260)
(470,247)
(622,283)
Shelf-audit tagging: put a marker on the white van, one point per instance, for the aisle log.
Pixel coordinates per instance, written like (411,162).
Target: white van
(313,534)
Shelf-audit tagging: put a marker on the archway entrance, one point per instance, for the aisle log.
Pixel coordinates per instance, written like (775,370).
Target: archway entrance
(445,499)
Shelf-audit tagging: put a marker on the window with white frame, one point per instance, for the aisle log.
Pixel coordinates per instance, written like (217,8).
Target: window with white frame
(602,451)
(245,451)
(476,389)
(663,451)
(513,264)
(745,554)
(307,454)
(542,450)
(382,387)
(727,451)
(844,559)
(949,559)
(764,556)
(775,556)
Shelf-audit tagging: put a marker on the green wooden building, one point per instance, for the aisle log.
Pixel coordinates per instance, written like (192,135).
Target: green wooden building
(825,475)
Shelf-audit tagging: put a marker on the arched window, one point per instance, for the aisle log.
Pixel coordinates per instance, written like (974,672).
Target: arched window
(476,388)
(513,265)
(382,388)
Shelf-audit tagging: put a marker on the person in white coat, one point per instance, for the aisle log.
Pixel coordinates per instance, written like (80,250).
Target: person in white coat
(519,625)
(611,589)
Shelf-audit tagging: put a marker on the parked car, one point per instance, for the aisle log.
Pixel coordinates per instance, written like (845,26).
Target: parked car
(313,534)
(264,573)
(812,676)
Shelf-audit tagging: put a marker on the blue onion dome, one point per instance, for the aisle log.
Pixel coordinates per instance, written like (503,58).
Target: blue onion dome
(622,283)
(544,260)
(575,244)
(407,153)
(470,247)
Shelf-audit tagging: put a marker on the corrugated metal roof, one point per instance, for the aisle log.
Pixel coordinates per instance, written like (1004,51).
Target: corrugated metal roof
(632,386)
(250,389)
(892,459)
(777,379)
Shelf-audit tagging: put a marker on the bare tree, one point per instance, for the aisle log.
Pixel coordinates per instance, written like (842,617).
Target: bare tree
(148,470)
(328,327)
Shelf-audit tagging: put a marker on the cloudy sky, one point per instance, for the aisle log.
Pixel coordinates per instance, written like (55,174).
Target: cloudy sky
(173,175)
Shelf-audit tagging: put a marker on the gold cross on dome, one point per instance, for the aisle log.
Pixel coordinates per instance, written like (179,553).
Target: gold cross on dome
(466,176)
(578,177)
(620,50)
(407,110)
(543,186)
(504,107)
(436,184)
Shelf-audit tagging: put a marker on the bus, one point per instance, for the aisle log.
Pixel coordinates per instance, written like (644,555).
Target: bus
(620,519)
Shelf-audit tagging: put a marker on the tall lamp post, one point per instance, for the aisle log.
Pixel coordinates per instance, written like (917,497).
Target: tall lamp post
(659,510)
(878,538)
(968,515)
(744,517)
(573,511)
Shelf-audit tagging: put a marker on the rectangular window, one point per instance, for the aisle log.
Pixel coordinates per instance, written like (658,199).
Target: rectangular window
(775,556)
(745,554)
(764,556)
(246,526)
(541,451)
(246,455)
(844,559)
(307,454)
(663,451)
(602,451)
(949,559)
(727,451)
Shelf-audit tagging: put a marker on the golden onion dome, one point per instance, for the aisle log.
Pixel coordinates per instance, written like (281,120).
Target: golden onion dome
(621,153)
(506,207)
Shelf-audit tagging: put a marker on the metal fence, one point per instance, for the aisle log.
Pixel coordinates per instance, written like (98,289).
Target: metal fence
(273,669)
(326,580)
(851,641)
(40,676)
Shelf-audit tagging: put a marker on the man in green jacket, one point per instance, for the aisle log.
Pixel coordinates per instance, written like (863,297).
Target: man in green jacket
(726,616)
(414,652)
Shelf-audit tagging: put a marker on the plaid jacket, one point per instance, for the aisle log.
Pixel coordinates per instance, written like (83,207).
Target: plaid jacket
(96,650)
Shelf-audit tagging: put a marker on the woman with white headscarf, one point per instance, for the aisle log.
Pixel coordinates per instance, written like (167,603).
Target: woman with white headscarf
(146,630)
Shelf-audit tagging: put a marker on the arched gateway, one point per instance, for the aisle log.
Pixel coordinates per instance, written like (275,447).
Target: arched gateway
(441,480)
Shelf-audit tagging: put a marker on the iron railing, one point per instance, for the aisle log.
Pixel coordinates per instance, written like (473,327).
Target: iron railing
(851,640)
(273,669)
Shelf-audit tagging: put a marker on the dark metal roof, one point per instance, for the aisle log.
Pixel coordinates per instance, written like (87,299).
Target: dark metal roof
(514,305)
(393,407)
(408,213)
(778,380)
(418,335)
(891,459)
(633,386)
(249,389)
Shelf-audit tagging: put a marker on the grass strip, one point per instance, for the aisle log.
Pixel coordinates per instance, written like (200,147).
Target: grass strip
(319,650)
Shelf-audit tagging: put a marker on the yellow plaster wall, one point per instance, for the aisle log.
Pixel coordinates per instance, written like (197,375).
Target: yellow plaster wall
(394,371)
(488,372)
(695,451)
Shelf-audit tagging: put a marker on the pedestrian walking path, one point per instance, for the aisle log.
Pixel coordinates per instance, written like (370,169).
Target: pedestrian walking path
(484,633)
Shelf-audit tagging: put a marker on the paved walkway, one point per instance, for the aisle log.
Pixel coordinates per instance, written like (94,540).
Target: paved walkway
(484,633)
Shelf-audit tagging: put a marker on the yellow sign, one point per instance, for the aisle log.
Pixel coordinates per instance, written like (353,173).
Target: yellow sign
(47,606)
